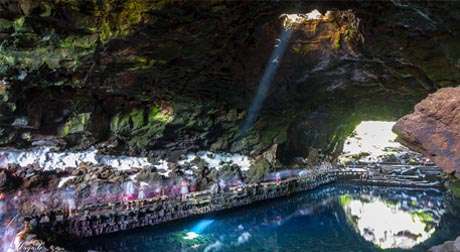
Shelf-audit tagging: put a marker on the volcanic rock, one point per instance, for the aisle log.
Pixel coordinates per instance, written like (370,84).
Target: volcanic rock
(448,246)
(7,181)
(180,76)
(434,129)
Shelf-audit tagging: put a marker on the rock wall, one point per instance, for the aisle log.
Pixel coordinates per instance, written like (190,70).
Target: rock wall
(103,219)
(162,77)
(434,129)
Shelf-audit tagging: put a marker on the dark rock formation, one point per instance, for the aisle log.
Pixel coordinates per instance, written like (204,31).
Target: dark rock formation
(434,129)
(448,246)
(7,181)
(167,77)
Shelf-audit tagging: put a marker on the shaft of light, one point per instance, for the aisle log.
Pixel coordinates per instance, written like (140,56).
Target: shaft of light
(266,81)
(201,226)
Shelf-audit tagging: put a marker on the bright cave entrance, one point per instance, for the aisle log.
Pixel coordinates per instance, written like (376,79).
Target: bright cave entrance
(375,142)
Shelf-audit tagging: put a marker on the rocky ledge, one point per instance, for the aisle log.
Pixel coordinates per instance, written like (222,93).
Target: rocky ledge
(434,129)
(103,218)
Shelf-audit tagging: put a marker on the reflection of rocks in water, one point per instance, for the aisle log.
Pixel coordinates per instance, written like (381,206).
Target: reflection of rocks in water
(408,234)
(449,222)
(300,223)
(393,224)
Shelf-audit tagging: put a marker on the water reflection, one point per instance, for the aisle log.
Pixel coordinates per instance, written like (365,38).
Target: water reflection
(388,224)
(334,218)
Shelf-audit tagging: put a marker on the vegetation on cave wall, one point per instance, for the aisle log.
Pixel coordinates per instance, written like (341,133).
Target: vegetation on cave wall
(62,35)
(167,76)
(53,43)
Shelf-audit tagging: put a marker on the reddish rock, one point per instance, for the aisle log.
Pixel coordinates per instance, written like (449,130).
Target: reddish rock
(434,129)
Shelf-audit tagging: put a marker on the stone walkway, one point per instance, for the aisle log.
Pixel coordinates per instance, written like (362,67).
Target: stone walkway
(113,217)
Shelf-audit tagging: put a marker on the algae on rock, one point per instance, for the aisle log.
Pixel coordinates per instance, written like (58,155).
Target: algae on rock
(76,124)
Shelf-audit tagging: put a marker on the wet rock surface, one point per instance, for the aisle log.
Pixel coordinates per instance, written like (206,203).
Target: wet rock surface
(433,129)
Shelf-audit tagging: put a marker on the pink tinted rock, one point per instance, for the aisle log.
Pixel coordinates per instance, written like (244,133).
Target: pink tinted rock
(434,129)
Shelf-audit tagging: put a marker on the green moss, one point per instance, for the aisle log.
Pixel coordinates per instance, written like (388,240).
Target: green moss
(118,123)
(137,118)
(140,126)
(31,47)
(140,62)
(5,24)
(345,200)
(51,51)
(157,115)
(303,49)
(351,33)
(360,155)
(269,134)
(336,43)
(6,136)
(120,18)
(76,124)
(19,24)
(78,42)
(390,203)
(423,216)
(258,170)
(454,187)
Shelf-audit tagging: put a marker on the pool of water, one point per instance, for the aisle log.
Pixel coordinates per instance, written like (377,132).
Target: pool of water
(332,218)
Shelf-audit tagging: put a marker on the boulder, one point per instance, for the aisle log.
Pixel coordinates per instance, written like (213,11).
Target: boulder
(448,246)
(434,129)
(7,181)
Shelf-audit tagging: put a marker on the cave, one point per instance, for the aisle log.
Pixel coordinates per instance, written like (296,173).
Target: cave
(118,116)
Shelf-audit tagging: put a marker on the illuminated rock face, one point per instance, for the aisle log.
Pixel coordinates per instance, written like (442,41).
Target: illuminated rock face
(434,129)
(292,20)
(388,224)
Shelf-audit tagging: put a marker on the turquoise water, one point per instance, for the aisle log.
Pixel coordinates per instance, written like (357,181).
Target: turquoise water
(332,218)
